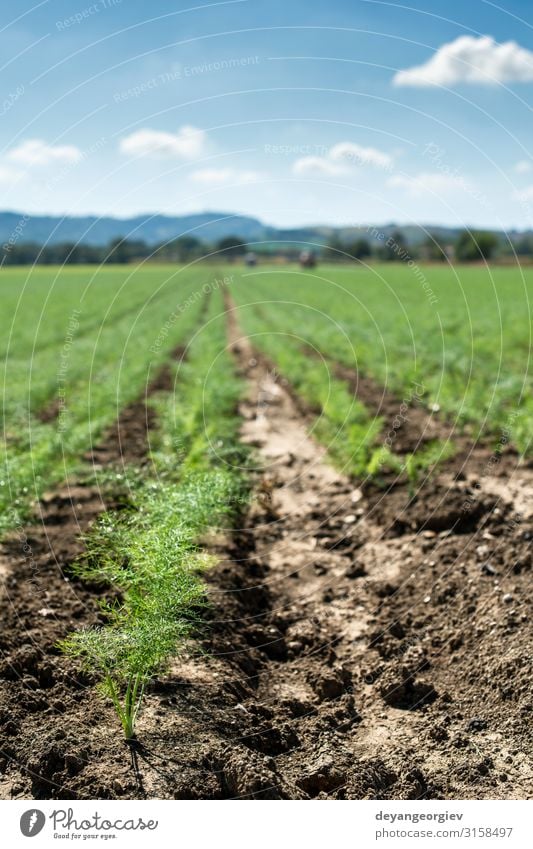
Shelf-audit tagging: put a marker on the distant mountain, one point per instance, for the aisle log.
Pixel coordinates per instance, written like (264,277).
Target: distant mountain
(207,226)
(152,229)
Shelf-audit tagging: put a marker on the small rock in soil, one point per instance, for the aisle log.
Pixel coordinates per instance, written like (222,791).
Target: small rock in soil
(328,687)
(355,570)
(477,724)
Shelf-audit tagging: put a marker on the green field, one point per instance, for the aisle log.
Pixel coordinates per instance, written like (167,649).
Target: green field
(464,333)
(80,345)
(83,343)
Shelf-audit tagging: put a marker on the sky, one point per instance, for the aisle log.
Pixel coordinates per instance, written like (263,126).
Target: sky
(344,112)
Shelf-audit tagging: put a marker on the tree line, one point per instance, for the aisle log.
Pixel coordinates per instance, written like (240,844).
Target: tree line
(120,250)
(469,246)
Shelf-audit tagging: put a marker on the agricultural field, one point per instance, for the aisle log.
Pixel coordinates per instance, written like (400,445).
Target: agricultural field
(266,532)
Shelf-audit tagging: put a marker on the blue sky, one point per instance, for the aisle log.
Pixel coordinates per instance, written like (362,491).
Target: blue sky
(295,112)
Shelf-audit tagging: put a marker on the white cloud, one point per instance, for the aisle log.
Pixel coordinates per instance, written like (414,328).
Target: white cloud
(38,152)
(351,153)
(423,183)
(471,60)
(341,159)
(187,143)
(9,176)
(524,195)
(309,166)
(523,167)
(221,176)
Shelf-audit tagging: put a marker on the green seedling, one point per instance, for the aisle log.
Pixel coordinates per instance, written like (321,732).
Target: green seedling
(125,656)
(427,459)
(148,554)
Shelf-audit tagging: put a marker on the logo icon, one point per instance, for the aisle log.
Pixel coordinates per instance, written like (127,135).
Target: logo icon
(32,822)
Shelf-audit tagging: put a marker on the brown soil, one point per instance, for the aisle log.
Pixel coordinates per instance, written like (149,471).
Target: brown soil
(408,426)
(41,603)
(361,644)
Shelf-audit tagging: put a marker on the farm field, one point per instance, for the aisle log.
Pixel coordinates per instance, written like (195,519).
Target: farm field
(266,532)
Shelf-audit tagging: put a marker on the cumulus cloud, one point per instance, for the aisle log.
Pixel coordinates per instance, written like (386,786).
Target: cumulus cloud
(38,152)
(471,60)
(341,159)
(10,176)
(421,184)
(523,167)
(187,143)
(221,176)
(309,166)
(351,153)
(524,195)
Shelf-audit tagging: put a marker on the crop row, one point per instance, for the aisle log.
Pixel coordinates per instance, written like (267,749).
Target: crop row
(355,436)
(96,340)
(148,554)
(463,334)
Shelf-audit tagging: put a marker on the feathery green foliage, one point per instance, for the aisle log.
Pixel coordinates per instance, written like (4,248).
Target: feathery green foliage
(463,333)
(81,340)
(149,553)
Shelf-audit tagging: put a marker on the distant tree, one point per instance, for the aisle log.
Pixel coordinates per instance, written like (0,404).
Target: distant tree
(523,246)
(335,249)
(394,249)
(122,250)
(183,249)
(360,249)
(189,247)
(433,249)
(474,245)
(71,253)
(231,246)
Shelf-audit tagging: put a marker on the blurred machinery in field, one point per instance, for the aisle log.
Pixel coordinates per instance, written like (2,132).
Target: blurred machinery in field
(307,259)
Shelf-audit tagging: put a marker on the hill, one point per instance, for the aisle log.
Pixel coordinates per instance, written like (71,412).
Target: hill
(207,226)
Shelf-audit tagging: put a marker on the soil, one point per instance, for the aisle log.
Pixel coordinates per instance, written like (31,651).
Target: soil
(361,643)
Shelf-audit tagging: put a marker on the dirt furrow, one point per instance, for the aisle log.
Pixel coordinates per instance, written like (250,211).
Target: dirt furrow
(349,652)
(320,577)
(462,490)
(343,660)
(409,426)
(42,700)
(374,670)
